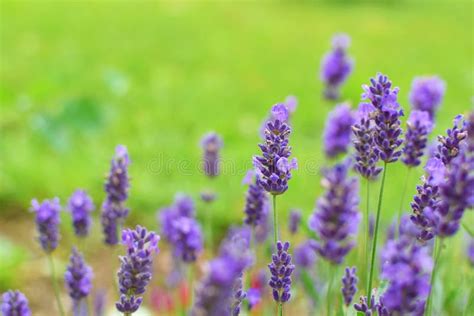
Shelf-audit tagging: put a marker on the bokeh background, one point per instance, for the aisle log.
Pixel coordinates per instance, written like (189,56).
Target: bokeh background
(79,77)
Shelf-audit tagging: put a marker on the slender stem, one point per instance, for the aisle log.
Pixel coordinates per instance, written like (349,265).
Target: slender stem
(55,285)
(376,230)
(275,220)
(280,309)
(437,252)
(367,235)
(402,199)
(328,295)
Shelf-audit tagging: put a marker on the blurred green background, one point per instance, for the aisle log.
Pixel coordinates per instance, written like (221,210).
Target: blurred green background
(78,78)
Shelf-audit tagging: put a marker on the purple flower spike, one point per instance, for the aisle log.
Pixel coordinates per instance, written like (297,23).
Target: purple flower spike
(281,270)
(80,206)
(273,169)
(336,66)
(363,306)
(117,185)
(47,221)
(427,93)
(387,115)
(450,145)
(349,285)
(294,221)
(366,153)
(336,218)
(78,277)
(211,144)
(14,303)
(407,267)
(419,126)
(136,267)
(337,134)
(305,256)
(256,203)
(239,296)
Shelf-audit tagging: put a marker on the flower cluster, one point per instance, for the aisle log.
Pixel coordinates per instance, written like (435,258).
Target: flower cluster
(419,126)
(349,285)
(336,217)
(281,270)
(337,134)
(114,211)
(239,296)
(386,117)
(80,206)
(336,66)
(294,221)
(211,144)
(136,267)
(449,146)
(15,303)
(256,202)
(47,221)
(366,153)
(273,169)
(427,93)
(78,277)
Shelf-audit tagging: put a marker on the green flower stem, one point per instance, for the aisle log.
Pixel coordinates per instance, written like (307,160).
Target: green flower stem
(376,230)
(280,309)
(367,227)
(275,221)
(437,252)
(55,285)
(330,281)
(402,200)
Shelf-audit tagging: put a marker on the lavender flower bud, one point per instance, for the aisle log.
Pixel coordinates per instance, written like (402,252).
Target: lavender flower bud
(450,145)
(427,93)
(78,277)
(281,270)
(80,206)
(336,66)
(15,303)
(256,203)
(366,153)
(239,296)
(136,267)
(349,285)
(363,305)
(294,221)
(336,218)
(337,133)
(273,168)
(211,144)
(419,125)
(47,221)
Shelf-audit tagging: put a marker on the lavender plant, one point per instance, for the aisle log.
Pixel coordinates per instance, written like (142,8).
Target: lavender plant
(427,93)
(294,221)
(211,144)
(15,303)
(349,285)
(281,269)
(256,201)
(80,206)
(337,133)
(78,282)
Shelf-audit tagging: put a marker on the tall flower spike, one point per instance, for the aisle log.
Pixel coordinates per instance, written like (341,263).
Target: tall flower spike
(239,296)
(349,285)
(363,306)
(304,255)
(78,279)
(366,153)
(449,146)
(336,218)
(281,270)
(256,202)
(336,66)
(273,168)
(47,221)
(427,93)
(114,211)
(419,126)
(80,206)
(136,267)
(15,303)
(386,117)
(211,144)
(407,268)
(294,221)
(337,133)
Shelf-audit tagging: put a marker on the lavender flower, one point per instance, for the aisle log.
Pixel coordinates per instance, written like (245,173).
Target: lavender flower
(78,281)
(136,267)
(366,153)
(239,296)
(349,285)
(47,221)
(427,93)
(114,211)
(336,217)
(80,206)
(273,169)
(407,266)
(14,303)
(363,306)
(294,221)
(254,297)
(304,255)
(337,133)
(281,111)
(336,66)
(256,203)
(281,270)
(208,197)
(419,125)
(387,115)
(211,144)
(449,145)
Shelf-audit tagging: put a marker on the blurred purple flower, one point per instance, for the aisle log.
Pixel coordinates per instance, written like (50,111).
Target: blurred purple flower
(78,281)
(427,93)
(207,196)
(419,126)
(256,201)
(238,297)
(349,285)
(304,255)
(294,221)
(254,297)
(47,221)
(281,270)
(211,144)
(15,303)
(337,133)
(80,206)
